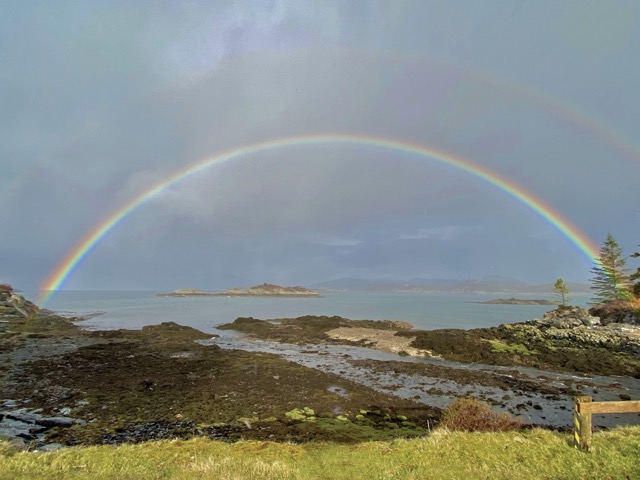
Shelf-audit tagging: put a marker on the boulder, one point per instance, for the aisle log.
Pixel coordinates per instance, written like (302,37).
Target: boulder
(22,417)
(619,311)
(50,422)
(569,317)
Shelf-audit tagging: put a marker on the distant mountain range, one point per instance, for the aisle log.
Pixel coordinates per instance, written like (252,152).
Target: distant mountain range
(489,284)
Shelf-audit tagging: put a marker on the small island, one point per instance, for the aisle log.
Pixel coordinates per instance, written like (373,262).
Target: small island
(187,292)
(516,301)
(264,290)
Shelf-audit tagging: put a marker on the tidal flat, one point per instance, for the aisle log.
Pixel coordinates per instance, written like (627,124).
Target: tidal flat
(282,380)
(518,368)
(123,386)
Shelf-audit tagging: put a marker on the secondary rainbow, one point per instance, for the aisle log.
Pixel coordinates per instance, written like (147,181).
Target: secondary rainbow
(557,107)
(72,260)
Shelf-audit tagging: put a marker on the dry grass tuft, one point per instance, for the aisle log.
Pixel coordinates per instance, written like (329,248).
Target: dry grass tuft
(470,415)
(232,468)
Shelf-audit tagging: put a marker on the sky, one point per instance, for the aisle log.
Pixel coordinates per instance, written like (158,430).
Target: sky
(100,101)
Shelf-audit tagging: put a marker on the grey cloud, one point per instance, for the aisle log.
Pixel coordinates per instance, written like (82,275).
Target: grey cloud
(102,100)
(440,233)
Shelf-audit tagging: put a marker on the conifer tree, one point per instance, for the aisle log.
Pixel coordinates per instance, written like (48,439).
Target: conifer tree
(635,277)
(561,291)
(610,280)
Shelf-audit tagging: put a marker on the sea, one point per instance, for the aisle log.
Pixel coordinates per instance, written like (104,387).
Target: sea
(135,309)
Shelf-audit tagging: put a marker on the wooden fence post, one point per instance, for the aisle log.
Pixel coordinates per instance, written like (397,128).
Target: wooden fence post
(582,424)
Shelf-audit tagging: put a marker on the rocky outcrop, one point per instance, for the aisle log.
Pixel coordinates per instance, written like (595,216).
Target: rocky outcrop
(268,290)
(24,428)
(575,327)
(620,311)
(569,317)
(14,305)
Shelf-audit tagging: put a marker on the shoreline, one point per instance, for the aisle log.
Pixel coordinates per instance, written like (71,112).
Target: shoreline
(270,295)
(264,290)
(516,301)
(122,386)
(179,379)
(544,344)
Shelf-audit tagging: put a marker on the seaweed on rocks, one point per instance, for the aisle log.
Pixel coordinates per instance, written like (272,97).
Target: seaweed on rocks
(158,382)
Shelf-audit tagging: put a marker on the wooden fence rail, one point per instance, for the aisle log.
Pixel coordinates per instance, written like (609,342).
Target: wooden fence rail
(584,407)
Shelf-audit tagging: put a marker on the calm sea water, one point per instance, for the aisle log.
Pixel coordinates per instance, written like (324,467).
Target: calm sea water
(135,309)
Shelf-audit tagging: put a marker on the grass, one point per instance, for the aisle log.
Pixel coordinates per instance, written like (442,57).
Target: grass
(516,348)
(533,454)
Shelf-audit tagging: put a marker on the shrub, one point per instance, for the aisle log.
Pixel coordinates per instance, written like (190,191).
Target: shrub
(470,415)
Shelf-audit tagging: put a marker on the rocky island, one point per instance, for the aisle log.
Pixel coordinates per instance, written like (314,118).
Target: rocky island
(270,290)
(516,301)
(188,292)
(264,290)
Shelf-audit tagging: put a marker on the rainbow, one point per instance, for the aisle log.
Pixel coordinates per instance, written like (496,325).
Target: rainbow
(548,103)
(72,260)
(555,106)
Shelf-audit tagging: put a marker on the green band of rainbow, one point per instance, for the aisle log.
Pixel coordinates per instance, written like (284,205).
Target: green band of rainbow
(70,262)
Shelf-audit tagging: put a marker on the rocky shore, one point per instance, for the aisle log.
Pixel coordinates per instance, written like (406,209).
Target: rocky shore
(575,326)
(529,370)
(567,339)
(62,385)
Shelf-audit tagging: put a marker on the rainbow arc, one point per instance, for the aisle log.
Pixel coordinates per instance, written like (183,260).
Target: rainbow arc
(65,268)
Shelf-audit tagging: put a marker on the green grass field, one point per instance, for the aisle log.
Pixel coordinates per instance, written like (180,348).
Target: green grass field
(533,454)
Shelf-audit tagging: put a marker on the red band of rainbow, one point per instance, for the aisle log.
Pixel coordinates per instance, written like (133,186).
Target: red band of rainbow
(56,279)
